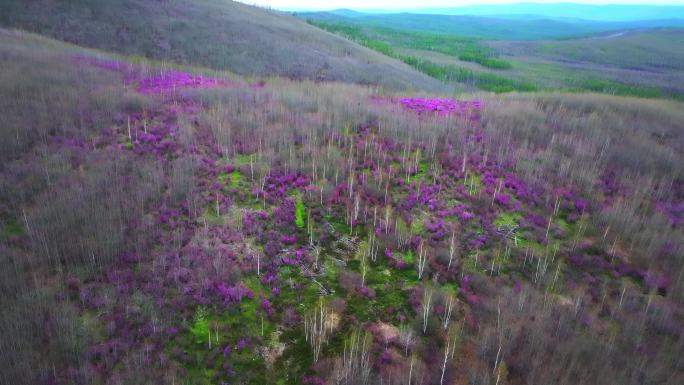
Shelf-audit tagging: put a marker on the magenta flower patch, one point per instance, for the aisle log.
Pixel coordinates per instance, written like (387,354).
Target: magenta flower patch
(233,294)
(172,80)
(160,83)
(440,106)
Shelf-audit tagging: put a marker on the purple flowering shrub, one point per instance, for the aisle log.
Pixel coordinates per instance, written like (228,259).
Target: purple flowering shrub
(172,80)
(440,106)
(233,294)
(163,82)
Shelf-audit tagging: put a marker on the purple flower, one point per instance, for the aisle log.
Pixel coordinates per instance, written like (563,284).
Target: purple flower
(385,358)
(472,299)
(517,287)
(313,380)
(366,292)
(503,199)
(440,106)
(580,205)
(658,281)
(233,294)
(467,215)
(288,239)
(576,260)
(242,344)
(266,307)
(158,83)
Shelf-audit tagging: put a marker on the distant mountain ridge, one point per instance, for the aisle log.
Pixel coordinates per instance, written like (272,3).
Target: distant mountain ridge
(531,22)
(610,12)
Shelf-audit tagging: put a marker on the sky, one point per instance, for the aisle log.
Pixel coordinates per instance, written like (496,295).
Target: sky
(413,4)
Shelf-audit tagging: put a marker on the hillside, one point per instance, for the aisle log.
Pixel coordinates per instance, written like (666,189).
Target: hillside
(218,34)
(649,59)
(171,225)
(650,50)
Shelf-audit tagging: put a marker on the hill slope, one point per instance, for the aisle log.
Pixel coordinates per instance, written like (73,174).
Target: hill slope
(651,50)
(219,34)
(636,58)
(162,226)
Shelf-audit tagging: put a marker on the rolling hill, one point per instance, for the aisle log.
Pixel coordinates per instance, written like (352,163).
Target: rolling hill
(218,34)
(636,58)
(650,50)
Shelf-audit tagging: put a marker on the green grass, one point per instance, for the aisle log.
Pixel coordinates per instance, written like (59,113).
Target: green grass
(385,40)
(12,229)
(240,321)
(242,159)
(620,89)
(342,227)
(483,80)
(253,284)
(200,326)
(473,183)
(507,220)
(295,360)
(299,211)
(211,218)
(470,266)
(418,225)
(408,257)
(235,178)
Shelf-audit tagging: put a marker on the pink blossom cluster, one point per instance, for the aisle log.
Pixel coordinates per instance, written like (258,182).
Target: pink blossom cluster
(170,81)
(157,140)
(278,185)
(160,83)
(440,106)
(233,294)
(673,211)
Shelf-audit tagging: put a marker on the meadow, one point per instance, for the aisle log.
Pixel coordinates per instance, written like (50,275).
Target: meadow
(162,223)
